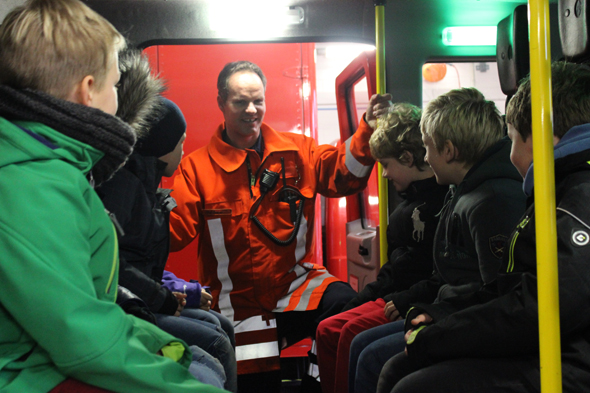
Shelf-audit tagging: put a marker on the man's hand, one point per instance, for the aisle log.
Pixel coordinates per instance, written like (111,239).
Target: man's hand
(391,312)
(379,105)
(205,300)
(181,297)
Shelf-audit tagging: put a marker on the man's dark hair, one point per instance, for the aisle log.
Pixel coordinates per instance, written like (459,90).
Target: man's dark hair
(571,100)
(233,68)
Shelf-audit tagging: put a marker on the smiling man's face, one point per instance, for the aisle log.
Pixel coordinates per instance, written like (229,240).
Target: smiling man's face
(244,108)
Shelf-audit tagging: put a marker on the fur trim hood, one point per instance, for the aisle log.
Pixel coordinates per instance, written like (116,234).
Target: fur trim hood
(139,92)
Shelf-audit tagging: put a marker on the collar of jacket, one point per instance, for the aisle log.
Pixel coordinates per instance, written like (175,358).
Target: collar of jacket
(571,151)
(230,158)
(419,186)
(37,111)
(494,164)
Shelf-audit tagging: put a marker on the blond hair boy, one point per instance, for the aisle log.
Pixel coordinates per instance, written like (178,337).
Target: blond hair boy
(60,329)
(465,147)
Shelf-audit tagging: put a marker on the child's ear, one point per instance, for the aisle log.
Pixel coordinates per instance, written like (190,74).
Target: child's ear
(407,158)
(450,151)
(82,92)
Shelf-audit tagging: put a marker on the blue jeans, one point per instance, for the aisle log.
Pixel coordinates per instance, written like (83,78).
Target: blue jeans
(207,336)
(212,317)
(206,368)
(369,351)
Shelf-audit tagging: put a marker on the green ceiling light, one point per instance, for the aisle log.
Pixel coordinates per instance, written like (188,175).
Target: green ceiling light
(469,36)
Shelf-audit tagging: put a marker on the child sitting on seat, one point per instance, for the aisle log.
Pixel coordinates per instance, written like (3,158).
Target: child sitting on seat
(463,134)
(397,145)
(489,342)
(60,329)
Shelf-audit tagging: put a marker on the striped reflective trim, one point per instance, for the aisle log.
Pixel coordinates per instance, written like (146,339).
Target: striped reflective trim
(301,240)
(301,301)
(218,243)
(257,351)
(301,277)
(355,167)
(313,284)
(314,371)
(253,324)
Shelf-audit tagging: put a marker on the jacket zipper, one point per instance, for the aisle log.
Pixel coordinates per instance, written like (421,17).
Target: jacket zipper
(251,178)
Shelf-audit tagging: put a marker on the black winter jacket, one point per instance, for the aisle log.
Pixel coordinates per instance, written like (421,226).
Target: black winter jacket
(410,235)
(474,226)
(132,195)
(502,319)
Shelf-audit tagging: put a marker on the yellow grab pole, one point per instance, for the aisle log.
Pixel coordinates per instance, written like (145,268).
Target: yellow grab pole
(545,210)
(381,89)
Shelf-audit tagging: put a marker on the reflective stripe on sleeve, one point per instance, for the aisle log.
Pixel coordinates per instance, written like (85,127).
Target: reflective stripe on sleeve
(218,243)
(355,167)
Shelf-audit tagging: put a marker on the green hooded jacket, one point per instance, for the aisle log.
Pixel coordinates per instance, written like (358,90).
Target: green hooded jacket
(58,278)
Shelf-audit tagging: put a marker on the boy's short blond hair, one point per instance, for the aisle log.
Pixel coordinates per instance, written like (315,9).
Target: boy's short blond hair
(398,132)
(51,45)
(467,119)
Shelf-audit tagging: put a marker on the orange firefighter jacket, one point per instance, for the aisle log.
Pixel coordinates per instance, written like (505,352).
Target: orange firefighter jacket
(218,193)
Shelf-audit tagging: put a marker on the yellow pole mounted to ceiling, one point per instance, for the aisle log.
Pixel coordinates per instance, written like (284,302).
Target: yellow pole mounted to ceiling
(545,209)
(381,89)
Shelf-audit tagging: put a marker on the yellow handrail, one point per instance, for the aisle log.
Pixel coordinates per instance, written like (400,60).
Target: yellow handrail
(381,89)
(545,209)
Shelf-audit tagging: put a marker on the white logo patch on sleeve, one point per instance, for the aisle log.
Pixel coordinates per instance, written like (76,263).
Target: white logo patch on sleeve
(580,238)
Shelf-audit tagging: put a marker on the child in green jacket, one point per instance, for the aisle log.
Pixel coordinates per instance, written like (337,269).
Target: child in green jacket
(60,329)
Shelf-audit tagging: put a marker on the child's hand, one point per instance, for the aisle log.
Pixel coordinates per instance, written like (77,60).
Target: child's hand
(181,297)
(419,322)
(205,300)
(391,312)
(379,105)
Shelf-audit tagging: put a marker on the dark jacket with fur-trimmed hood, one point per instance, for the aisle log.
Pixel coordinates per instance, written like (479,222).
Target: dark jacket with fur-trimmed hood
(131,195)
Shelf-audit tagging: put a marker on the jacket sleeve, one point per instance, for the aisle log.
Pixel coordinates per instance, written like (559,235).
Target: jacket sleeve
(192,288)
(50,298)
(158,298)
(490,223)
(424,291)
(344,170)
(509,323)
(121,195)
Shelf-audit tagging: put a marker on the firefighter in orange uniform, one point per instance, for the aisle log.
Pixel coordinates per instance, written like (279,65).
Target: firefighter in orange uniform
(249,198)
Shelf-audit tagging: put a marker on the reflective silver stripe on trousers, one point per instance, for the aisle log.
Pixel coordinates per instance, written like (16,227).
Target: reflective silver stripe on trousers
(218,243)
(253,324)
(313,369)
(355,167)
(260,350)
(257,351)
